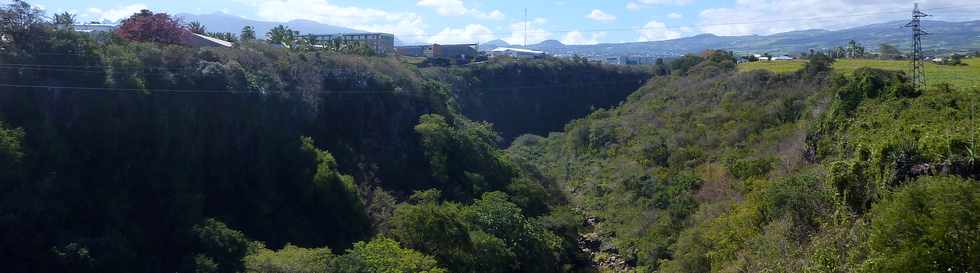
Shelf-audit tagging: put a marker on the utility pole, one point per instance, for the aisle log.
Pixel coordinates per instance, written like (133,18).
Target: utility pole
(525,27)
(918,64)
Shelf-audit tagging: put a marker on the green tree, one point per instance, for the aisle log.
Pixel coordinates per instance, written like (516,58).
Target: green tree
(854,50)
(17,19)
(681,65)
(222,246)
(387,256)
(463,156)
(64,20)
(11,151)
(819,64)
(889,52)
(437,138)
(928,226)
(290,259)
(434,228)
(532,245)
(248,34)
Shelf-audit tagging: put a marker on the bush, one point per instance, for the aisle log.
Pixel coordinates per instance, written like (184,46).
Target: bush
(290,259)
(11,152)
(928,226)
(222,248)
(748,168)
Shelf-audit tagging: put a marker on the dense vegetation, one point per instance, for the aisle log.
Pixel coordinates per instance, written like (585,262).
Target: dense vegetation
(128,155)
(962,76)
(759,172)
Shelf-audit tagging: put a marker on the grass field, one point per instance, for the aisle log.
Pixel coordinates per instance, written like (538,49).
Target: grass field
(961,76)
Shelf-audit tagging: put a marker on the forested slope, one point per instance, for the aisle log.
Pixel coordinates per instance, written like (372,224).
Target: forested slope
(719,171)
(122,156)
(537,96)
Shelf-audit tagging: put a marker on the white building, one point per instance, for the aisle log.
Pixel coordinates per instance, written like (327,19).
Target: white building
(381,43)
(94,28)
(516,53)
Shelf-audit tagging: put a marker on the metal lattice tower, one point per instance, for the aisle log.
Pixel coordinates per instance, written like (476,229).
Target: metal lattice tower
(918,64)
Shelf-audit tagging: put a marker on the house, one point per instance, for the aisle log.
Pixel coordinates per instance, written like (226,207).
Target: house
(615,60)
(781,58)
(459,51)
(516,53)
(381,43)
(415,51)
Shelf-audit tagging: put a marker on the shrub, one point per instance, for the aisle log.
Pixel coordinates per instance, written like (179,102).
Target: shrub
(290,259)
(747,168)
(928,226)
(385,255)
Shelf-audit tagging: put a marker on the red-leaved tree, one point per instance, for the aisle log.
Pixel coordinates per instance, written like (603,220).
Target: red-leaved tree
(147,26)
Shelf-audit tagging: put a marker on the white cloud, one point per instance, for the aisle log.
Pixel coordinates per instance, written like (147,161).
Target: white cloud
(658,31)
(666,2)
(112,14)
(774,16)
(535,32)
(474,33)
(633,6)
(600,16)
(457,8)
(493,15)
(674,15)
(577,38)
(640,4)
(445,7)
(409,26)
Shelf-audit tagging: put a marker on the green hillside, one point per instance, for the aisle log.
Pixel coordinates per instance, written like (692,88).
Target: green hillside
(962,76)
(844,171)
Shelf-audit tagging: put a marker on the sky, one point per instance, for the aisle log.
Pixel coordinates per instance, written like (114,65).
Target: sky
(569,21)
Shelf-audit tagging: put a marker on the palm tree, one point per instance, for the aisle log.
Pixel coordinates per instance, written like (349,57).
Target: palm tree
(197,27)
(281,35)
(248,33)
(64,20)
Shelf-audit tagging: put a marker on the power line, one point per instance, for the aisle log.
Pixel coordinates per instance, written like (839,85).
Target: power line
(395,91)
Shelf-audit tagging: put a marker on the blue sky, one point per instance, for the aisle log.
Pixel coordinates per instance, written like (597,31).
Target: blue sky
(570,21)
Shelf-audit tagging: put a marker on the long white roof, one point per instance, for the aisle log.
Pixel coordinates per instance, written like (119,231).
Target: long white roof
(215,40)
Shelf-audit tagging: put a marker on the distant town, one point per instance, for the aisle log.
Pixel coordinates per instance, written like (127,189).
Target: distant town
(386,44)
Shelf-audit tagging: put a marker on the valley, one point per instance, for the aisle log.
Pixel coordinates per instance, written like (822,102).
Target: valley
(152,148)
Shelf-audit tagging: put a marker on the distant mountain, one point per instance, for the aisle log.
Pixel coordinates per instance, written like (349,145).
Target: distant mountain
(943,36)
(222,22)
(494,44)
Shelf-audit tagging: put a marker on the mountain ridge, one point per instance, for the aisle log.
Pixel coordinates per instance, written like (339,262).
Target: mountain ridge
(223,22)
(945,36)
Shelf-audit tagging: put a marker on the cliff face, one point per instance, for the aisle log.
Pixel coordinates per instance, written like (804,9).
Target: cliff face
(537,96)
(127,146)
